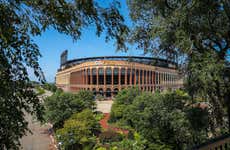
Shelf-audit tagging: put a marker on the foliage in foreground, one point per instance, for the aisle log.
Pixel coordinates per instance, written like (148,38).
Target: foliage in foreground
(20,21)
(198,32)
(39,90)
(167,120)
(136,142)
(50,87)
(79,131)
(60,106)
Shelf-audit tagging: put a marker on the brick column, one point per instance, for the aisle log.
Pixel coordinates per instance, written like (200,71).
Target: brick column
(166,79)
(153,82)
(126,76)
(130,76)
(160,77)
(139,78)
(112,84)
(143,71)
(134,76)
(104,76)
(86,76)
(150,78)
(83,77)
(91,76)
(119,78)
(104,89)
(147,78)
(112,77)
(97,76)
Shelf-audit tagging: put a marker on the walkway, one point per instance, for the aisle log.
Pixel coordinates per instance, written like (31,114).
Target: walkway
(104,106)
(39,139)
(104,124)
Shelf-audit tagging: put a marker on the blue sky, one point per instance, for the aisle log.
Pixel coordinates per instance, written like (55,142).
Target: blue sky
(52,44)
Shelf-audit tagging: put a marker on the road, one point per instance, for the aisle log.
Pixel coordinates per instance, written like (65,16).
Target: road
(39,139)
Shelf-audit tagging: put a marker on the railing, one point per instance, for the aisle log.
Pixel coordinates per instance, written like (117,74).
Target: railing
(219,143)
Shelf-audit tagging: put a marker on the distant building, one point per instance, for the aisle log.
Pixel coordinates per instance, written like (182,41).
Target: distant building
(108,75)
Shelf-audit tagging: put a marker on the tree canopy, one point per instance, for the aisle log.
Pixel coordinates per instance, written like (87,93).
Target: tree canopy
(165,120)
(193,32)
(20,21)
(185,26)
(60,106)
(79,131)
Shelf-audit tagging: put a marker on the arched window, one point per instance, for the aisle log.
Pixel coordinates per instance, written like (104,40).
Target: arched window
(108,76)
(141,76)
(128,76)
(137,76)
(115,91)
(108,92)
(133,76)
(151,77)
(94,91)
(88,76)
(144,77)
(122,76)
(94,76)
(101,76)
(101,92)
(147,77)
(115,76)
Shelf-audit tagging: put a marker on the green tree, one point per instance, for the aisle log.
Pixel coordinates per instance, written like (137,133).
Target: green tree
(50,87)
(137,143)
(20,21)
(60,106)
(123,98)
(79,131)
(167,120)
(199,31)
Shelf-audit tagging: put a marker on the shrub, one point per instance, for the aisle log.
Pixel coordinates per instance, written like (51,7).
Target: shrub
(109,136)
(60,106)
(39,90)
(80,131)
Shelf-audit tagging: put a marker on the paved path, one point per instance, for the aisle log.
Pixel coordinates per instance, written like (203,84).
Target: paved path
(39,139)
(104,124)
(104,106)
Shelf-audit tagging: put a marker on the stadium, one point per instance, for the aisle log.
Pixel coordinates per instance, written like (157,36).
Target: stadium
(109,74)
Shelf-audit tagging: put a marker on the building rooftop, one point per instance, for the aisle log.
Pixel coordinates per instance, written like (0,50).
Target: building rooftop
(143,60)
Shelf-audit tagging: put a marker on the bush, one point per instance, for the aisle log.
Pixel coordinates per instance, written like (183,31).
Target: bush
(163,119)
(60,106)
(80,131)
(50,87)
(99,115)
(39,90)
(100,97)
(109,136)
(123,99)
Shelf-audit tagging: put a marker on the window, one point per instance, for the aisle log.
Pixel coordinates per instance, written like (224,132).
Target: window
(122,76)
(128,76)
(101,76)
(137,76)
(133,76)
(108,92)
(108,76)
(144,77)
(115,76)
(88,76)
(94,76)
(157,77)
(141,75)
